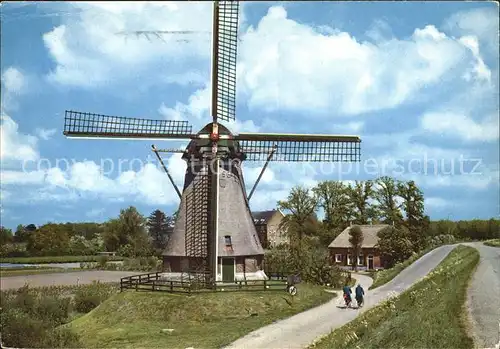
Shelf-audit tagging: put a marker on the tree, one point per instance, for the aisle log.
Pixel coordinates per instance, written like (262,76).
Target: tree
(359,196)
(6,236)
(301,205)
(415,219)
(49,240)
(23,233)
(333,198)
(159,224)
(395,245)
(356,241)
(128,229)
(387,195)
(113,235)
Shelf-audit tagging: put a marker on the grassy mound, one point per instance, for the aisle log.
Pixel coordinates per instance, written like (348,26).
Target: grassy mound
(493,243)
(431,314)
(209,320)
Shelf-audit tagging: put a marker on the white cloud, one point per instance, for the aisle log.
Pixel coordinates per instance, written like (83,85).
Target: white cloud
(482,22)
(197,107)
(45,134)
(88,52)
(479,69)
(149,184)
(15,145)
(341,72)
(13,80)
(462,126)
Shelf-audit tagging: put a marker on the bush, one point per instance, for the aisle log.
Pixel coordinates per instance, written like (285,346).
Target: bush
(29,318)
(101,262)
(88,298)
(13,250)
(85,302)
(150,264)
(308,259)
(439,240)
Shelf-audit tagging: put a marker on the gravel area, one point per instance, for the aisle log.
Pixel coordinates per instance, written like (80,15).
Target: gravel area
(72,278)
(483,298)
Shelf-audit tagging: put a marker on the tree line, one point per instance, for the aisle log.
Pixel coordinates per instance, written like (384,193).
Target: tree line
(381,201)
(385,200)
(129,235)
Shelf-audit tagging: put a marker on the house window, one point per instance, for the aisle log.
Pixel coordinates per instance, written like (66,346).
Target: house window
(349,259)
(361,260)
(227,238)
(338,258)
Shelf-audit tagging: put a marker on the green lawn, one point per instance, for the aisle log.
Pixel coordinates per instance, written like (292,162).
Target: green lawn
(206,320)
(34,271)
(431,314)
(493,243)
(55,259)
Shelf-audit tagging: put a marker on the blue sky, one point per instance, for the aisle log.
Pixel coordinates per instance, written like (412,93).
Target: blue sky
(418,81)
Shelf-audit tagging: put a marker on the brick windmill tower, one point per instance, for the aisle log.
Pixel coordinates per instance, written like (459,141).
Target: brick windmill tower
(214,234)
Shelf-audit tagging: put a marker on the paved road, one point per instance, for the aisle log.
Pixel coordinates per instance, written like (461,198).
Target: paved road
(79,277)
(484,297)
(302,329)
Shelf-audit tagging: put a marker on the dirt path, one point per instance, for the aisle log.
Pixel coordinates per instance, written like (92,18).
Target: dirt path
(302,329)
(483,298)
(79,277)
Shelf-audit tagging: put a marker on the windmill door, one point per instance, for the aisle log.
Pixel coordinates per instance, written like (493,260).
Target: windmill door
(228,269)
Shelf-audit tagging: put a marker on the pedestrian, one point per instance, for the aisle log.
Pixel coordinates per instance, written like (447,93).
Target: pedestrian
(359,295)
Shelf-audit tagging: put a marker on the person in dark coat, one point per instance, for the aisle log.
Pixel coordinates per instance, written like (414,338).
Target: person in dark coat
(359,295)
(347,294)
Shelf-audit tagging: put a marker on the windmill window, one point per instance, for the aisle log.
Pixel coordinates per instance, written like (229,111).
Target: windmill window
(227,238)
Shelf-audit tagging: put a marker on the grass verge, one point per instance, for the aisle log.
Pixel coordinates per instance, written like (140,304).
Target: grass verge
(493,243)
(431,314)
(211,320)
(29,271)
(384,276)
(56,259)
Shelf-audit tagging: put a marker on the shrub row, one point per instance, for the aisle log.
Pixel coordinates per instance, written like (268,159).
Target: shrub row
(150,264)
(31,317)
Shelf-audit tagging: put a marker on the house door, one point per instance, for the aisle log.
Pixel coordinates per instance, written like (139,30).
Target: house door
(370,262)
(228,269)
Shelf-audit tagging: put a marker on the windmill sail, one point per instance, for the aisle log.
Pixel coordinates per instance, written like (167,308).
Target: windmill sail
(299,147)
(85,125)
(225,45)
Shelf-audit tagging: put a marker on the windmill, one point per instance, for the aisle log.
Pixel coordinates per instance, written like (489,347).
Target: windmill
(214,233)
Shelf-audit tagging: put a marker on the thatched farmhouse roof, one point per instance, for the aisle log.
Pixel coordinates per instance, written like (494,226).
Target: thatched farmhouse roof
(370,238)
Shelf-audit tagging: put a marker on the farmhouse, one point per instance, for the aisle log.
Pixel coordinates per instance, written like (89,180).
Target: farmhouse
(341,249)
(267,224)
